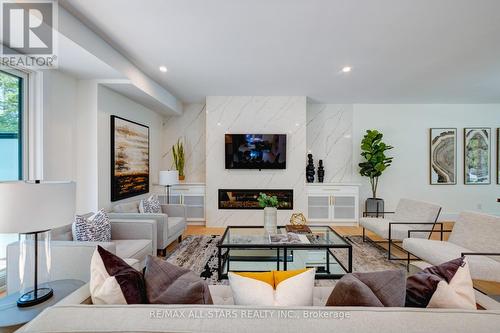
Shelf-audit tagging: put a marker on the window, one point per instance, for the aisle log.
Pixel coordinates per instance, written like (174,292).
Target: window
(12,142)
(11,126)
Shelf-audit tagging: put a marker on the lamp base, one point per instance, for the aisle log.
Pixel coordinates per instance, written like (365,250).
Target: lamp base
(31,298)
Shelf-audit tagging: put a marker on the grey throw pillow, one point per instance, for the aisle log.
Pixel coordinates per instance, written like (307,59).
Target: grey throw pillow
(170,284)
(376,289)
(95,228)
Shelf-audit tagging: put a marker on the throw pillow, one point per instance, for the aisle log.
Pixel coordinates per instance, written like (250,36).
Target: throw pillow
(95,228)
(285,288)
(169,284)
(150,205)
(376,289)
(448,285)
(113,281)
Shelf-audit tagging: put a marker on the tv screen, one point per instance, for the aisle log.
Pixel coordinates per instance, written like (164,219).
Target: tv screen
(255,151)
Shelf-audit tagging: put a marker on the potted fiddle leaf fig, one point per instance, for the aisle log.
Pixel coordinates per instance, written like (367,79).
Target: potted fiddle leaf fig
(270,205)
(373,150)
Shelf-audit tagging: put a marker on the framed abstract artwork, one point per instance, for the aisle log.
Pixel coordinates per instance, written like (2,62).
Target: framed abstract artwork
(498,156)
(477,156)
(443,156)
(129,158)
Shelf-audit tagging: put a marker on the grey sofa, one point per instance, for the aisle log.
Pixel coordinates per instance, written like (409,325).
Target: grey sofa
(76,314)
(475,234)
(409,215)
(171,222)
(133,239)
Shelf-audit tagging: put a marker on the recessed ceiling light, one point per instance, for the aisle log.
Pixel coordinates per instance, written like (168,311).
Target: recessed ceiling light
(163,69)
(346,69)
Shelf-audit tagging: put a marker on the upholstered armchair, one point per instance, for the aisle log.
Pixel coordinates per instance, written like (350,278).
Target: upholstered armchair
(171,222)
(130,239)
(394,226)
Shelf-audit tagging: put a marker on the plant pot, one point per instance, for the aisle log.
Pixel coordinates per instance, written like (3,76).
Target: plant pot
(181,178)
(270,220)
(374,207)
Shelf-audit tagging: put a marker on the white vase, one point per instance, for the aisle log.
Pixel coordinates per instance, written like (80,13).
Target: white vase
(270,220)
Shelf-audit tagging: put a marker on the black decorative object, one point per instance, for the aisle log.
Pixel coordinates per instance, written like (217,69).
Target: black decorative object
(321,171)
(310,169)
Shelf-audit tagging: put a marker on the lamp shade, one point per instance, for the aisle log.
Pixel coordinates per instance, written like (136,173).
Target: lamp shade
(170,177)
(30,207)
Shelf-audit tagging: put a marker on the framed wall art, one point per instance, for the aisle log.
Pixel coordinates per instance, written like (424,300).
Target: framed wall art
(477,156)
(498,156)
(443,156)
(129,158)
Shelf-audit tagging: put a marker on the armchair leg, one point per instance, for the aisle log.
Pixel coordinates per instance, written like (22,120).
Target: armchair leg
(179,239)
(364,237)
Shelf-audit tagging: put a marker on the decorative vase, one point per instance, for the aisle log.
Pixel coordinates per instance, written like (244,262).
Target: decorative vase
(321,171)
(270,220)
(181,178)
(310,169)
(374,207)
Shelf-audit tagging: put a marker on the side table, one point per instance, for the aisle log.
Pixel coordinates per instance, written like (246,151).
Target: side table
(12,317)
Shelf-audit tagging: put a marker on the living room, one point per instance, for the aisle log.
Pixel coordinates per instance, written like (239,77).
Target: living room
(235,165)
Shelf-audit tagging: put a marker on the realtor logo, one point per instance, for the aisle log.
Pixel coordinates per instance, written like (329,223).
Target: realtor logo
(28,32)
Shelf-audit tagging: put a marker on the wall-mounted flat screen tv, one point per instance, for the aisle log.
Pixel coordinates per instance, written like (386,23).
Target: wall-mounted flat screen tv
(255,151)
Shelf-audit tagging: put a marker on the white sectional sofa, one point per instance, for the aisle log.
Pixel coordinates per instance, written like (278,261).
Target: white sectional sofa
(476,234)
(75,314)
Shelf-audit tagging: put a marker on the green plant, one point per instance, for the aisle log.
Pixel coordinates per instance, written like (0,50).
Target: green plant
(373,150)
(178,152)
(267,201)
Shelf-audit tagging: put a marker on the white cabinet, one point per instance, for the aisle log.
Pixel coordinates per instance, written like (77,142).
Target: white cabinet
(337,203)
(193,196)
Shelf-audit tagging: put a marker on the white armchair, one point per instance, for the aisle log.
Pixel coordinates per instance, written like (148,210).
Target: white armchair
(409,215)
(130,239)
(171,223)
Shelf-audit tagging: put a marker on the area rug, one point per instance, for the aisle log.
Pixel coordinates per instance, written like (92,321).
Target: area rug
(199,254)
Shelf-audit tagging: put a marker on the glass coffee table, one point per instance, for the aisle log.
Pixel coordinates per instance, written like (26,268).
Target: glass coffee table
(249,249)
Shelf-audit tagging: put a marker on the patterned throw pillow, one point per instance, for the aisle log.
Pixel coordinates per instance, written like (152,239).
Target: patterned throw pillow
(96,228)
(151,205)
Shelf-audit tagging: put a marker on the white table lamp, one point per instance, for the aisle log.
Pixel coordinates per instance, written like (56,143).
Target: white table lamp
(31,209)
(169,178)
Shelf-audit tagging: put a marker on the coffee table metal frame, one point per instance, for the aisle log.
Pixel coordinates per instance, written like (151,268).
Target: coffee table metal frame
(285,247)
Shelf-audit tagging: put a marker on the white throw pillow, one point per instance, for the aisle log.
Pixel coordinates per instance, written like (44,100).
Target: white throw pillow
(458,294)
(295,290)
(151,206)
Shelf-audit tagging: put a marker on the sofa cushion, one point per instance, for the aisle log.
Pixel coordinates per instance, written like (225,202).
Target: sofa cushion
(113,281)
(416,211)
(133,248)
(398,231)
(448,285)
(176,225)
(170,284)
(150,205)
(477,232)
(384,288)
(128,207)
(437,252)
(64,233)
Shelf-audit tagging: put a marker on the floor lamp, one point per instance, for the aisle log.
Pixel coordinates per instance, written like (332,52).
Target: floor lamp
(31,209)
(167,179)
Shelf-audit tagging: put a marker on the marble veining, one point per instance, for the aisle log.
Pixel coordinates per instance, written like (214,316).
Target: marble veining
(329,137)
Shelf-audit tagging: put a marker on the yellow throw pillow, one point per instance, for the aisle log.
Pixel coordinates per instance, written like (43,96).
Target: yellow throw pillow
(280,288)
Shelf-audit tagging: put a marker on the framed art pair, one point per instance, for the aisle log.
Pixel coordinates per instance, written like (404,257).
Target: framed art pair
(476,156)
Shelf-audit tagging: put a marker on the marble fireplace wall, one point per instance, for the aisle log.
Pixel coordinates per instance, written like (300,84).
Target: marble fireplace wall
(329,138)
(190,129)
(254,114)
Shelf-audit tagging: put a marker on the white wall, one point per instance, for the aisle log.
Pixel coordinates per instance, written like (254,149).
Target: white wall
(254,114)
(112,103)
(59,122)
(190,129)
(406,127)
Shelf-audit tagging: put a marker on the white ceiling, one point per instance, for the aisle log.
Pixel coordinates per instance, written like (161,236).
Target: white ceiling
(401,51)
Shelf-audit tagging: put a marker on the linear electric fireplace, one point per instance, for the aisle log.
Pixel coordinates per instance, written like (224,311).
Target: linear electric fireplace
(247,199)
